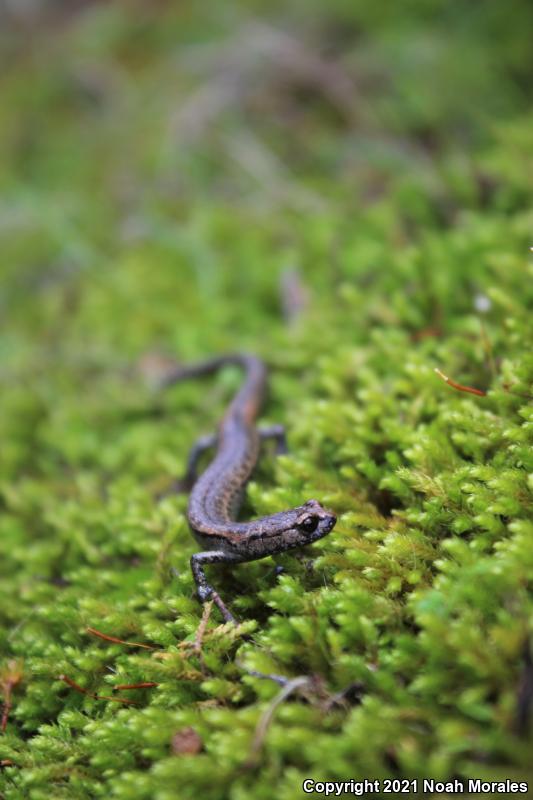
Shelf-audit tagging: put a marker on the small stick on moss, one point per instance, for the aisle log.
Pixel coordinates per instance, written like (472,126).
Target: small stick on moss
(459,386)
(143,685)
(198,639)
(200,631)
(352,693)
(281,680)
(80,689)
(11,676)
(507,387)
(267,716)
(115,640)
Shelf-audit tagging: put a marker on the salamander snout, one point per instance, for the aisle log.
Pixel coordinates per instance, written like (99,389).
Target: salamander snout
(329,523)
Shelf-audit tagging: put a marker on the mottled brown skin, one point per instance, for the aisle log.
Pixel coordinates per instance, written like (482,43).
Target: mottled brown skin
(216,495)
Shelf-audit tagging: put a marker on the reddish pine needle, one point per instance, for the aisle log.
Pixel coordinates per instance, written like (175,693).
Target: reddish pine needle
(459,386)
(74,685)
(143,685)
(114,639)
(80,689)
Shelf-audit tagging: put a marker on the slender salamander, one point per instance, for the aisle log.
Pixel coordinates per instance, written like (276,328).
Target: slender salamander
(216,495)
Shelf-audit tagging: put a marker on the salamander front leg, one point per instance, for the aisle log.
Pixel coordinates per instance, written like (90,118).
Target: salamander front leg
(276,432)
(205,591)
(185,483)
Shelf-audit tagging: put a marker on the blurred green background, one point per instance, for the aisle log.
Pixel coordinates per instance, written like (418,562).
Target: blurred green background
(345,189)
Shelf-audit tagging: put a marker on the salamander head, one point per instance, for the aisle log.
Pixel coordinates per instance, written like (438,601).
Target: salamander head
(284,530)
(312,521)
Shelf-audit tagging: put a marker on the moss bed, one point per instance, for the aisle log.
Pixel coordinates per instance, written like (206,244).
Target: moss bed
(163,169)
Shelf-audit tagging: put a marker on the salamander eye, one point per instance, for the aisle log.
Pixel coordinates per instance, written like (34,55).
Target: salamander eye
(309,524)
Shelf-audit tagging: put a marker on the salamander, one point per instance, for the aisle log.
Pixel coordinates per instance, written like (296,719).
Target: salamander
(216,494)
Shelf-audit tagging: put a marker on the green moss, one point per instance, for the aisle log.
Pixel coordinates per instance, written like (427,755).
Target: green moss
(124,232)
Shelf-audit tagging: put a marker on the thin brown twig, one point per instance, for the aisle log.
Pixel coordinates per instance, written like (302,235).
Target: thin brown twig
(507,387)
(266,718)
(81,689)
(200,631)
(459,386)
(281,680)
(196,646)
(142,685)
(107,638)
